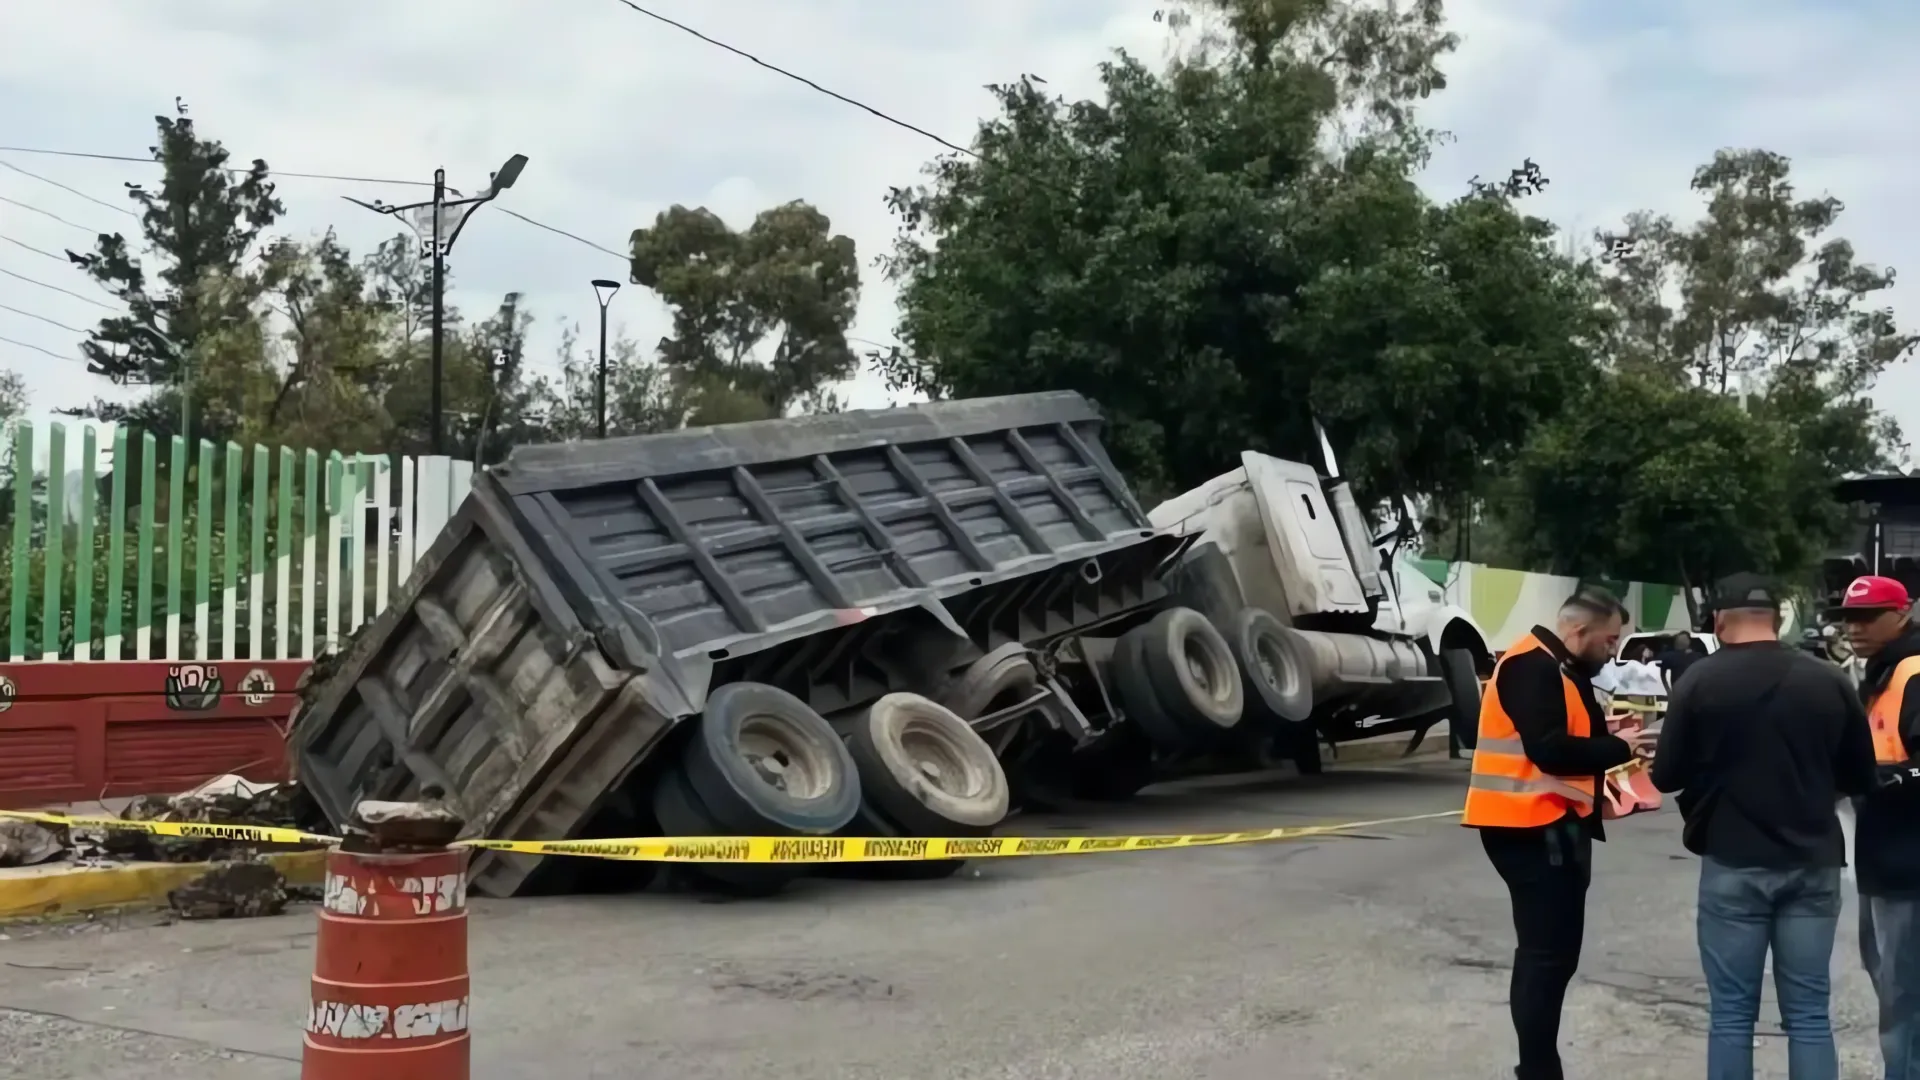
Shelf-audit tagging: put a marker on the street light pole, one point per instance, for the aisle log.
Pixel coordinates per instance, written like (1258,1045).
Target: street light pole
(438,222)
(436,406)
(603,290)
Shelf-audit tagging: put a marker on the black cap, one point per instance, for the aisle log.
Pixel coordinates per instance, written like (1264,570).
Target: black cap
(1748,591)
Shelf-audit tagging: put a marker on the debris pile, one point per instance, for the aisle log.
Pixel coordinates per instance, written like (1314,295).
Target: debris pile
(29,843)
(224,800)
(231,890)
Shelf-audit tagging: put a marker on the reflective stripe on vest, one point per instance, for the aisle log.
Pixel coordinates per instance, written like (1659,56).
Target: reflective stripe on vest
(1508,790)
(1884,715)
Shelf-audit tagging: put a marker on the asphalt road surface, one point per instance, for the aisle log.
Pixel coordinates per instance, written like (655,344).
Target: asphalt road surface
(1383,955)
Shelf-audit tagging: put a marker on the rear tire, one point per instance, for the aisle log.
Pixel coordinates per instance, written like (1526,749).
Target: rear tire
(1463,689)
(681,813)
(763,763)
(1193,672)
(1273,666)
(871,821)
(927,769)
(1002,678)
(1133,692)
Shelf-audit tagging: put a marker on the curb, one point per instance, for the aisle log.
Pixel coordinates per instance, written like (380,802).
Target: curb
(69,890)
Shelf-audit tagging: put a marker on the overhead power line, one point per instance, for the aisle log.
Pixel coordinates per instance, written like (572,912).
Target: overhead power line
(801,79)
(576,238)
(58,289)
(40,349)
(42,318)
(69,190)
(565,233)
(49,214)
(227,168)
(35,250)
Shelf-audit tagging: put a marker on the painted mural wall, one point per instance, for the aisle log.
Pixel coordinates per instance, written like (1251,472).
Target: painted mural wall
(1508,603)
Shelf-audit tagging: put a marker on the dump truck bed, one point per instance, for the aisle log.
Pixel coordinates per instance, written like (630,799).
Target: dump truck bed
(576,605)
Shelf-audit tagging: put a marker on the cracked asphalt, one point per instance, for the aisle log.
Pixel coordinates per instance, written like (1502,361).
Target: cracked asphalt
(1379,955)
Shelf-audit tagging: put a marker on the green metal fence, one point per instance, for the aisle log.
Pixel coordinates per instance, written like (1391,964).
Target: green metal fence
(205,552)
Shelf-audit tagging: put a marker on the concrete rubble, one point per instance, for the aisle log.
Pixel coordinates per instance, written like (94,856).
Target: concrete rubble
(232,890)
(29,843)
(239,884)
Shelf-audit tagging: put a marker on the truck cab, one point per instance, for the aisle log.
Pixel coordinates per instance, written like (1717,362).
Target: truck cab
(1371,641)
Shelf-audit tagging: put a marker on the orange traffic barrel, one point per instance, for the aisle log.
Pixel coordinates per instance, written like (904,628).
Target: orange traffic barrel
(390,969)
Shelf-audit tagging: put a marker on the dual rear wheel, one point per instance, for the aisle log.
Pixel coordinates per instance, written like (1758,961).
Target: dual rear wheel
(762,763)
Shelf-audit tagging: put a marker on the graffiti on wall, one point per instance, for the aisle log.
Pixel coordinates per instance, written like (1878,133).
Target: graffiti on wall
(256,687)
(193,687)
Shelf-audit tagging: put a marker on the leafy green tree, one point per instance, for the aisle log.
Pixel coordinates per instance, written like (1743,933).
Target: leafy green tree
(641,396)
(1713,444)
(199,226)
(760,315)
(1186,250)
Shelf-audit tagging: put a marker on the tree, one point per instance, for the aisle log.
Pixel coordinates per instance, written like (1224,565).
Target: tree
(199,227)
(641,398)
(1186,250)
(785,280)
(1743,351)
(1378,56)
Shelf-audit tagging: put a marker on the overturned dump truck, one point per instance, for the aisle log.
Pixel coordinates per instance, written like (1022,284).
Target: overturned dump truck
(896,622)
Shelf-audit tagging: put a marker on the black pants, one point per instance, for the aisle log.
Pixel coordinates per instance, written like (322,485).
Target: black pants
(1547,872)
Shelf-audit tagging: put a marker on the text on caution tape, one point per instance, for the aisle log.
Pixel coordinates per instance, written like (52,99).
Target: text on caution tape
(763,849)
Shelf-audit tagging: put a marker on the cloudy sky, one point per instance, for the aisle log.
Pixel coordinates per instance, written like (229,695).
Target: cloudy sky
(622,116)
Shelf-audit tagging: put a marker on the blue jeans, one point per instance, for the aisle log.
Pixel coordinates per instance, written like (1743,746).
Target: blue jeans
(1744,912)
(1890,951)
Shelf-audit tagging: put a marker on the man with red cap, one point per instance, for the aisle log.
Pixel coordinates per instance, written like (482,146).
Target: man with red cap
(1887,834)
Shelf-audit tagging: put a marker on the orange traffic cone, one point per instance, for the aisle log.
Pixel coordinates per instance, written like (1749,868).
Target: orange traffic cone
(390,969)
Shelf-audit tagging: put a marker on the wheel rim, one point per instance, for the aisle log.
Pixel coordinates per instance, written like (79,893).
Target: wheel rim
(941,761)
(1203,667)
(1274,667)
(785,759)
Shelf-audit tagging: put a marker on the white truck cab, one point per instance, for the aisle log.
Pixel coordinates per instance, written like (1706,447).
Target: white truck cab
(1371,637)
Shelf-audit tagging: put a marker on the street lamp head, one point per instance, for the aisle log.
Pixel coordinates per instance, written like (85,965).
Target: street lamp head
(603,290)
(508,173)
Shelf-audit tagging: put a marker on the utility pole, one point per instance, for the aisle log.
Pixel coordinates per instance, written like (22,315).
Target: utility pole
(437,222)
(603,290)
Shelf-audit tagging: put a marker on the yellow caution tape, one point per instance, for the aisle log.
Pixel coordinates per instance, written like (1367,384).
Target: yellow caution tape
(760,849)
(833,849)
(244,834)
(1637,706)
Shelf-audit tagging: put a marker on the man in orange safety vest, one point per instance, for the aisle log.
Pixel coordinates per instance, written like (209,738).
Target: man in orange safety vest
(1543,747)
(1886,844)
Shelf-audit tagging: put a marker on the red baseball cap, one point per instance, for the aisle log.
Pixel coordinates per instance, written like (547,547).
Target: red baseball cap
(1874,594)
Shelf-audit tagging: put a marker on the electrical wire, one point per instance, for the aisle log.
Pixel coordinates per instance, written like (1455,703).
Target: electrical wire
(43,318)
(801,79)
(565,233)
(58,289)
(40,349)
(225,168)
(69,190)
(35,250)
(45,213)
(576,238)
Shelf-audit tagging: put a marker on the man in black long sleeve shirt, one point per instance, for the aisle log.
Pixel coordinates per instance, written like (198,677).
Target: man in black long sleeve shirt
(1761,740)
(1542,748)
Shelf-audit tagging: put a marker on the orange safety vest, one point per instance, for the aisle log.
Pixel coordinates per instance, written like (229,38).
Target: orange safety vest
(1884,714)
(1508,791)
